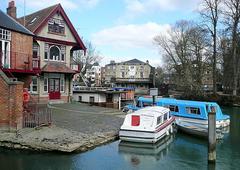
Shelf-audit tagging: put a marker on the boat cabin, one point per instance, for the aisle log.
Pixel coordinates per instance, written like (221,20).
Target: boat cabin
(191,109)
(147,118)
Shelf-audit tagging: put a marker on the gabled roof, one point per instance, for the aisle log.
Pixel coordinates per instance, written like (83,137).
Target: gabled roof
(37,20)
(133,61)
(9,23)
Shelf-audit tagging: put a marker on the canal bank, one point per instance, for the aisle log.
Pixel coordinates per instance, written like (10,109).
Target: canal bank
(76,127)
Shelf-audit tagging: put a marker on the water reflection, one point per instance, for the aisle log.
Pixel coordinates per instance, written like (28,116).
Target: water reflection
(136,152)
(21,160)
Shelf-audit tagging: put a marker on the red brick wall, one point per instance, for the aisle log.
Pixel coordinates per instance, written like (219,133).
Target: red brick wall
(21,50)
(10,104)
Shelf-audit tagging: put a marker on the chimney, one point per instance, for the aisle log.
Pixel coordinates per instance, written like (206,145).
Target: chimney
(12,10)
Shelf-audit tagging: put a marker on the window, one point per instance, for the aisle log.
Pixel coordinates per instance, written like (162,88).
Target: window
(193,110)
(79,98)
(159,120)
(123,75)
(165,117)
(145,104)
(34,85)
(131,67)
(62,84)
(54,53)
(56,26)
(91,99)
(45,84)
(63,53)
(35,50)
(5,34)
(46,51)
(173,108)
(141,74)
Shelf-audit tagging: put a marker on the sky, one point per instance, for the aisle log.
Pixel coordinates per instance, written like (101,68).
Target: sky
(119,29)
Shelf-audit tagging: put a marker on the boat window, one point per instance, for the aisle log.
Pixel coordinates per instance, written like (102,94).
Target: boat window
(173,108)
(159,120)
(193,110)
(165,117)
(146,104)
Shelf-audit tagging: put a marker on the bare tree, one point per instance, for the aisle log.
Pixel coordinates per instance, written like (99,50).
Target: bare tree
(86,60)
(184,49)
(232,18)
(210,12)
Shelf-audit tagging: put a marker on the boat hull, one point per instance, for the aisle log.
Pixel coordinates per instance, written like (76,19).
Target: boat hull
(199,127)
(147,136)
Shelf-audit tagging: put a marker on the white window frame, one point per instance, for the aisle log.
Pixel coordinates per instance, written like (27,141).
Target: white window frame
(62,83)
(45,85)
(5,34)
(32,85)
(54,57)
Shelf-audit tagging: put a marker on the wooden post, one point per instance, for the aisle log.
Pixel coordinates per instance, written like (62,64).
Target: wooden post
(212,135)
(119,102)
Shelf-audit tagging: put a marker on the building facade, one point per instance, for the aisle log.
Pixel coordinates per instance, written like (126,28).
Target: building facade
(16,59)
(133,73)
(93,75)
(54,43)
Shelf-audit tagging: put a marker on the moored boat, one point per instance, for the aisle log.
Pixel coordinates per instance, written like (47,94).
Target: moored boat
(147,125)
(192,116)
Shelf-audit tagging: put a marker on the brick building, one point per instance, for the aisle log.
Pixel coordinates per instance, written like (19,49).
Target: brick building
(16,50)
(16,63)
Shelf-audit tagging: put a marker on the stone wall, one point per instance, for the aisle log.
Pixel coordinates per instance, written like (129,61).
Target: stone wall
(11,101)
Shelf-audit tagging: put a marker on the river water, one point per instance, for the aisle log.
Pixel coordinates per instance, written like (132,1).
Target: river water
(179,152)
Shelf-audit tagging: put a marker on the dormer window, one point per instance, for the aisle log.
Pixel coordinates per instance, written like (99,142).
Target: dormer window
(56,26)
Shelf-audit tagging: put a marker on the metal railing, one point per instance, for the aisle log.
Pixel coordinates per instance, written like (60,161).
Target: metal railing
(77,88)
(36,115)
(132,79)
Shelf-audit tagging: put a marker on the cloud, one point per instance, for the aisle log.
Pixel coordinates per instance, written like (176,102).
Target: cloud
(129,36)
(130,41)
(135,8)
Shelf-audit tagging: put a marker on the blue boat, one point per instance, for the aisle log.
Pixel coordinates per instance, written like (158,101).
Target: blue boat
(190,116)
(140,103)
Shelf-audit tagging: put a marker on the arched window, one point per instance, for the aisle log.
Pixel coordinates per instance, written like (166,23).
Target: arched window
(54,53)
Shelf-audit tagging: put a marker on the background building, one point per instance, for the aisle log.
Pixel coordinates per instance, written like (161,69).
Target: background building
(133,73)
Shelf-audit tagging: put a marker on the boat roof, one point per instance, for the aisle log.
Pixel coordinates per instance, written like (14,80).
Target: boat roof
(148,99)
(152,111)
(185,102)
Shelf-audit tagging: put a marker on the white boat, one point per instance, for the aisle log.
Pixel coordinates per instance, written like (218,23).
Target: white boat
(147,125)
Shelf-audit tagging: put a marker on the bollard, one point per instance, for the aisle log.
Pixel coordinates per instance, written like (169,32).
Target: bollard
(212,135)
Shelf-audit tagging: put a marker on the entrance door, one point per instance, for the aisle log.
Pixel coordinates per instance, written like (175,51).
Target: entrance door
(54,88)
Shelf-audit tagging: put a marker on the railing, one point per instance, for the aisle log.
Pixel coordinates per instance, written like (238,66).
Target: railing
(19,61)
(37,115)
(77,88)
(132,79)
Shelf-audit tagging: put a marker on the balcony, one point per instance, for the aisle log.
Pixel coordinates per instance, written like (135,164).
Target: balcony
(19,62)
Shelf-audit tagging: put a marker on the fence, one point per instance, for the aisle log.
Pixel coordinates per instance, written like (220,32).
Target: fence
(37,115)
